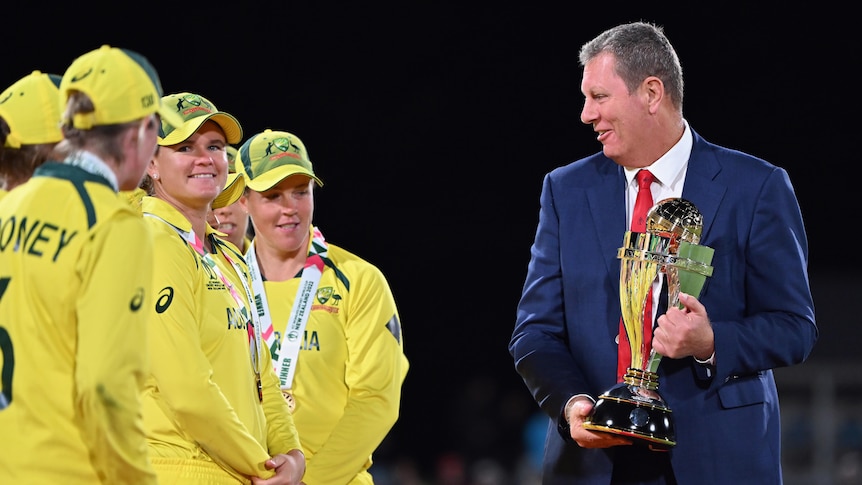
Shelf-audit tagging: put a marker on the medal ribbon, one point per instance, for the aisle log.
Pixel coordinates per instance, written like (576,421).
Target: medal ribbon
(286,354)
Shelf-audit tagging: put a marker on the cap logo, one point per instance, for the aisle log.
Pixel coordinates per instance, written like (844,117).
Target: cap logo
(190,103)
(283,144)
(78,77)
(148,101)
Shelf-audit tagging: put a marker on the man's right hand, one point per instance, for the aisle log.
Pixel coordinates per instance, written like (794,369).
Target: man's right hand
(585,438)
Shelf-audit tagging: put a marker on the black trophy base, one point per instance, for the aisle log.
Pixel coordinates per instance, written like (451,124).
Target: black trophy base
(634,409)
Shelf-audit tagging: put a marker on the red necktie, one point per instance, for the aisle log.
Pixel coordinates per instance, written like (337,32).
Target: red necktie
(643,203)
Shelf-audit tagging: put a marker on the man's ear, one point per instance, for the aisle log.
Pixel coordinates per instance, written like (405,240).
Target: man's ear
(654,92)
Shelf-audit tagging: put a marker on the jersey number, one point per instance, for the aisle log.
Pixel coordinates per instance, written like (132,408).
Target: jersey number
(8,357)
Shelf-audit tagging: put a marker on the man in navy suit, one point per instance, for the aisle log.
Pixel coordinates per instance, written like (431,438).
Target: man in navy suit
(755,313)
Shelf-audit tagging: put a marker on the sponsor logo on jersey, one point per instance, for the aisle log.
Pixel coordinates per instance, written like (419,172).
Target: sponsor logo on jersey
(166,296)
(79,77)
(137,300)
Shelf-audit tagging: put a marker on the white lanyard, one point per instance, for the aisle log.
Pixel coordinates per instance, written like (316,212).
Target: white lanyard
(286,356)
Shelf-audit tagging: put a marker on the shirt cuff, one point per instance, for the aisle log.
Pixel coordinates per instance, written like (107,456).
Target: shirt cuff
(710,361)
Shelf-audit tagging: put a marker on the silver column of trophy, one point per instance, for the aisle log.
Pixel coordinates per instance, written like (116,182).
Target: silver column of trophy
(634,408)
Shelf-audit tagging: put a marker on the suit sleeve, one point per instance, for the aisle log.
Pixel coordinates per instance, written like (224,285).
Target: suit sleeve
(778,327)
(552,375)
(116,271)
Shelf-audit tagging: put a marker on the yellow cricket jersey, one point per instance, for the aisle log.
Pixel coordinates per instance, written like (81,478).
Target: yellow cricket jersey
(201,405)
(350,368)
(75,277)
(246,241)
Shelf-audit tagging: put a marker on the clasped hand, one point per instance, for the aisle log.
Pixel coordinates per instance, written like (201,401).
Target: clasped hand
(289,469)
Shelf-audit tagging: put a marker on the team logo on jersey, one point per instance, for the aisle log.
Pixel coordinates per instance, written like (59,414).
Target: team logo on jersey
(327,300)
(324,294)
(166,296)
(328,295)
(137,300)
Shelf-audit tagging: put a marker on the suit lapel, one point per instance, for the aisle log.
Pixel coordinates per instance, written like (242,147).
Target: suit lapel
(700,187)
(607,201)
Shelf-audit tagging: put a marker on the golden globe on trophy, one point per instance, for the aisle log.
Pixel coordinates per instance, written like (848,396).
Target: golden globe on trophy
(634,408)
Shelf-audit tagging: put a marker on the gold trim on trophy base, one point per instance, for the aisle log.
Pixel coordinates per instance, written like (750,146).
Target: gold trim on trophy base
(642,379)
(634,408)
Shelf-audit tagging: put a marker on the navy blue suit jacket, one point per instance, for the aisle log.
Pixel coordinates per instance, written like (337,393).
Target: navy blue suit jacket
(758,300)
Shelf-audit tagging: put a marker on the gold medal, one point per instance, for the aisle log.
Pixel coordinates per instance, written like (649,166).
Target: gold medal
(291,402)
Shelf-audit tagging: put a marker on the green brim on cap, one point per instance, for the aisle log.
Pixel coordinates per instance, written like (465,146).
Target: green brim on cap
(233,190)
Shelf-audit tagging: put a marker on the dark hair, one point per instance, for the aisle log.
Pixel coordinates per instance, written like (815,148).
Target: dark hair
(17,164)
(147,184)
(641,50)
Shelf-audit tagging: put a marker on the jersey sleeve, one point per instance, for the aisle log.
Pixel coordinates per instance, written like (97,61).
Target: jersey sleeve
(182,370)
(374,377)
(116,272)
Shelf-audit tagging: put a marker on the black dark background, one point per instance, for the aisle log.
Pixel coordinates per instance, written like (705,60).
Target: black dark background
(432,124)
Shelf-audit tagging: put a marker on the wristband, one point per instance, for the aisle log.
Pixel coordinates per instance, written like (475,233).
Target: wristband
(709,361)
